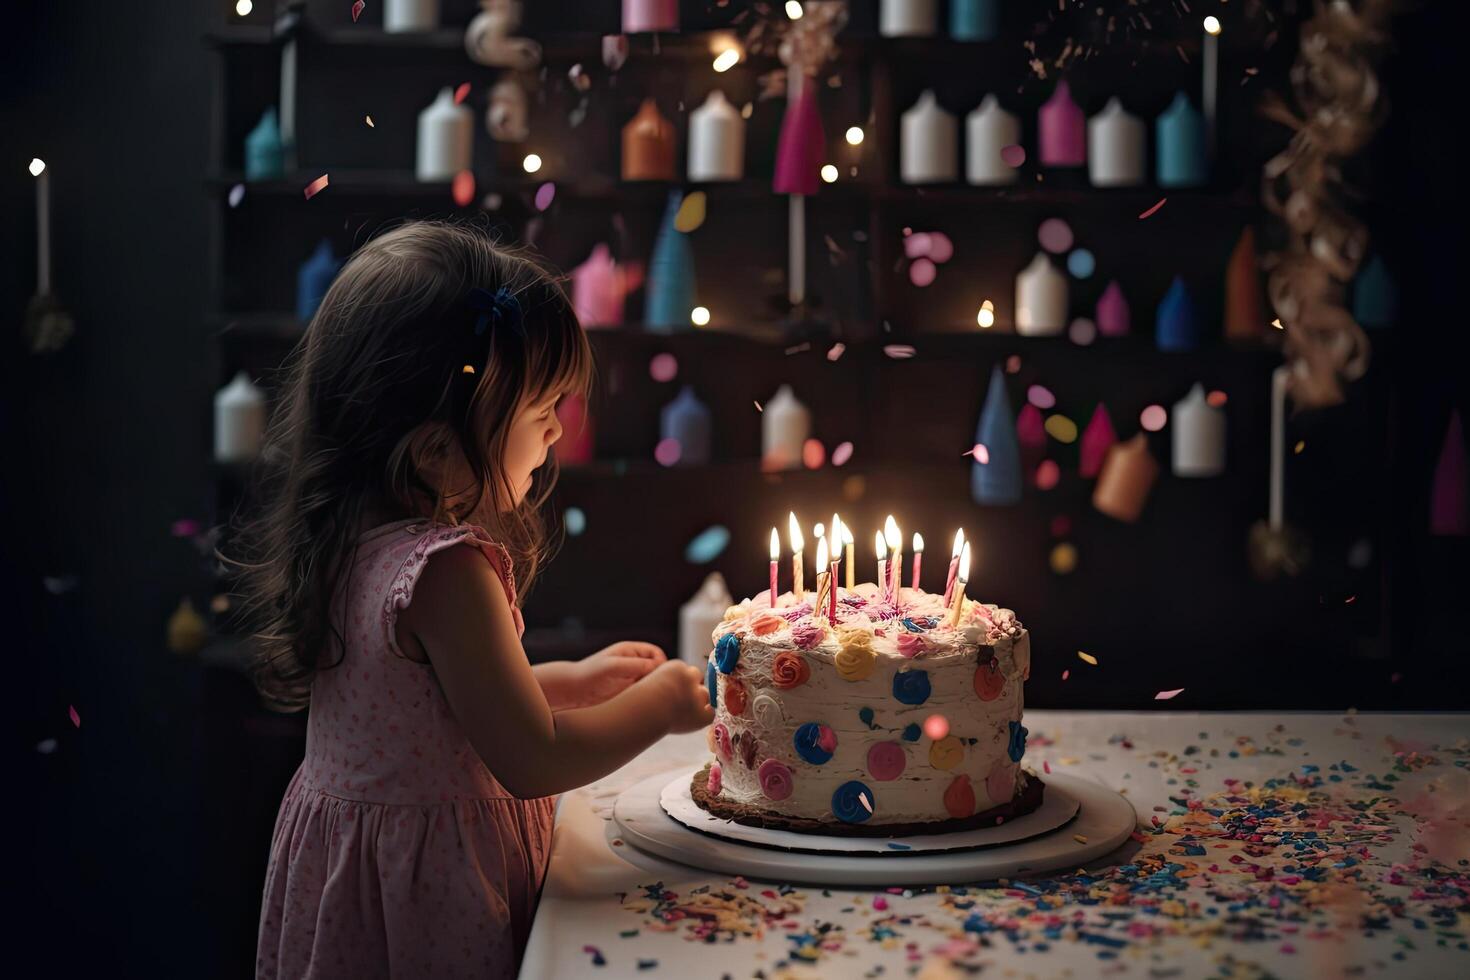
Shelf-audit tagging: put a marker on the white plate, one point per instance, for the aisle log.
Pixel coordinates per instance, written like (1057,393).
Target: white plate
(1103,821)
(1057,807)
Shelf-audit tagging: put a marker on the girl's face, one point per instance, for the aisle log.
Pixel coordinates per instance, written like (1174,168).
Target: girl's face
(533,431)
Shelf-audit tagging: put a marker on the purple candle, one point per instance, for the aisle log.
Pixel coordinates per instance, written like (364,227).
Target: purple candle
(1112,312)
(1063,130)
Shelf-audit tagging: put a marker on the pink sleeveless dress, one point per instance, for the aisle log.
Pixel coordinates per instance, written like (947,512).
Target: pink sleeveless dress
(396,852)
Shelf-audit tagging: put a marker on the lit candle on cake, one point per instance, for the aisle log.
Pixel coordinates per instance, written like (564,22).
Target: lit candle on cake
(959,590)
(798,546)
(834,548)
(832,551)
(824,576)
(894,540)
(881,546)
(775,560)
(954,563)
(918,557)
(851,565)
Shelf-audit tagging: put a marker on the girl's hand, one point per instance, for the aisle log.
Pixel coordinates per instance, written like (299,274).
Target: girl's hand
(688,699)
(610,671)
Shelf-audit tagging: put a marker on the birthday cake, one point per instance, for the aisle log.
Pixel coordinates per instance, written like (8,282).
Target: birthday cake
(868,719)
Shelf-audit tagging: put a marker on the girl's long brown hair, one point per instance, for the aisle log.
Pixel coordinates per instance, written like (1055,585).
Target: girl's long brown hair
(380,383)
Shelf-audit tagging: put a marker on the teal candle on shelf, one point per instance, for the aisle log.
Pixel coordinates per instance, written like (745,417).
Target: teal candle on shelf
(1177,324)
(315,275)
(974,20)
(1375,299)
(1180,139)
(265,157)
(686,420)
(670,276)
(995,477)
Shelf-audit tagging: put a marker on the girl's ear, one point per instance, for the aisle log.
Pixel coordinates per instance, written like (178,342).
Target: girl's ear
(436,455)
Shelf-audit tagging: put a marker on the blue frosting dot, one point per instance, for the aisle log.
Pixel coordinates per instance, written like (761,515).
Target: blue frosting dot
(709,682)
(865,715)
(806,740)
(913,626)
(1017,746)
(847,804)
(911,686)
(912,733)
(727,653)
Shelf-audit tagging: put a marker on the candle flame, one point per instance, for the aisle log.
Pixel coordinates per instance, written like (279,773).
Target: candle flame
(37,166)
(891,533)
(775,545)
(835,532)
(822,553)
(959,542)
(879,545)
(965,563)
(918,542)
(793,531)
(846,535)
(1212,25)
(818,529)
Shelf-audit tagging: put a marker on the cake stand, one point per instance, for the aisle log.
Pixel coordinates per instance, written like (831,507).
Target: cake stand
(1078,821)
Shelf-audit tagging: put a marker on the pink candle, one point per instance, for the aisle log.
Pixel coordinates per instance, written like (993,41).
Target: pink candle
(775,560)
(918,557)
(954,564)
(832,596)
(1063,130)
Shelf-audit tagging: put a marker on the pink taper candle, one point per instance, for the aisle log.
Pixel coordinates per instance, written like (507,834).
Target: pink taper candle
(954,563)
(775,560)
(918,557)
(1097,439)
(1063,130)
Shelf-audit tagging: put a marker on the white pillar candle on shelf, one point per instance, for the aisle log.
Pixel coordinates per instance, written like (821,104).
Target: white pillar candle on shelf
(908,18)
(239,421)
(698,618)
(1041,298)
(785,425)
(1115,147)
(988,130)
(1199,435)
(446,133)
(928,142)
(716,140)
(402,16)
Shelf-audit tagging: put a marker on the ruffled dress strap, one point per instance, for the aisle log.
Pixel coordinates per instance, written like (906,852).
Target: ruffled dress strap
(433,538)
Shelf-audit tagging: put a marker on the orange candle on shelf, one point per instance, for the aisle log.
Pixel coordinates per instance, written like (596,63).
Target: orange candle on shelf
(1127,476)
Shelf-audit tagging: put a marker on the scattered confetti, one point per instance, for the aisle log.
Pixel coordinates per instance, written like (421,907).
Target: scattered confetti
(76,719)
(462,92)
(800,348)
(691,212)
(574,520)
(758,407)
(1013,155)
(922,272)
(184,527)
(313,188)
(1041,397)
(981,454)
(237,194)
(1216,399)
(1062,429)
(1013,364)
(667,452)
(1064,559)
(663,367)
(1055,235)
(842,453)
(813,454)
(46,746)
(1048,474)
(462,188)
(1082,331)
(899,352)
(1080,838)
(357,10)
(1168,695)
(707,545)
(1300,445)
(1153,418)
(544,196)
(1081,263)
(369,121)
(1151,210)
(597,958)
(1066,674)
(1087,658)
(835,351)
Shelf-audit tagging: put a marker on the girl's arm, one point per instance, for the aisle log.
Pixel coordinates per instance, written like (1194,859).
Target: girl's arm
(461,616)
(556,678)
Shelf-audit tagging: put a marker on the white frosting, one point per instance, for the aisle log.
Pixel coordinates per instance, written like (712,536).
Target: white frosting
(950,656)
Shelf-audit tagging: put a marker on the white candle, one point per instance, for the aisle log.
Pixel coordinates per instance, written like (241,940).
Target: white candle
(402,16)
(894,539)
(834,547)
(716,140)
(1115,147)
(1211,78)
(698,618)
(928,143)
(793,533)
(824,577)
(851,566)
(881,546)
(959,587)
(795,213)
(446,138)
(988,130)
(785,425)
(239,420)
(1041,298)
(908,18)
(1199,435)
(1278,441)
(43,226)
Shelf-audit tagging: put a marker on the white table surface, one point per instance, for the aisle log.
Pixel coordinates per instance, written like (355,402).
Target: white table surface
(1178,903)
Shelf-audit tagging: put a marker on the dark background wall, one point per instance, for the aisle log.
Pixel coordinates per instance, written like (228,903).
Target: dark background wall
(144,828)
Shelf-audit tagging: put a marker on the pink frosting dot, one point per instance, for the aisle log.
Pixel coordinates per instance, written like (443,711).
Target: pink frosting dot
(1000,785)
(722,739)
(775,779)
(886,760)
(714,779)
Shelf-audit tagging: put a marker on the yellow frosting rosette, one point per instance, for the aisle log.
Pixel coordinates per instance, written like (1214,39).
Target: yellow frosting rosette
(855,656)
(946,753)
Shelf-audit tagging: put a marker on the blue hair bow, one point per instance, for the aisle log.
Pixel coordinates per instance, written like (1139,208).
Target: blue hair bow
(497,309)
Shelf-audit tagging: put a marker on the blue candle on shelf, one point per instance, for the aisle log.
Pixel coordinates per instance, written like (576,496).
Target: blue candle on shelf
(1180,138)
(670,275)
(974,20)
(1176,322)
(1375,299)
(315,275)
(995,477)
(264,155)
(687,421)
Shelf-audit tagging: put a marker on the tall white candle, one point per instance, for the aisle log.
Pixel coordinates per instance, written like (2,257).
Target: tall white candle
(446,134)
(716,140)
(988,130)
(795,212)
(43,226)
(785,425)
(908,18)
(798,557)
(1278,441)
(1041,298)
(698,618)
(1211,78)
(1115,147)
(239,420)
(928,142)
(403,16)
(880,545)
(1199,435)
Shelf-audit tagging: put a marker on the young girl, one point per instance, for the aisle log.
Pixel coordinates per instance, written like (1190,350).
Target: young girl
(404,473)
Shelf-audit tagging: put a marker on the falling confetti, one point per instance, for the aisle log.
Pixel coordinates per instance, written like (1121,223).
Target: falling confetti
(707,545)
(369,121)
(758,407)
(1055,235)
(863,799)
(1048,474)
(663,367)
(1064,559)
(1066,674)
(575,521)
(76,719)
(1086,658)
(1080,838)
(544,196)
(315,186)
(1081,263)
(46,746)
(1300,445)
(691,213)
(842,453)
(184,527)
(800,348)
(667,452)
(1041,397)
(922,272)
(813,454)
(462,188)
(1153,418)
(461,93)
(1168,695)
(1062,429)
(1216,399)
(981,454)
(899,352)
(1013,155)
(1151,210)
(936,727)
(835,351)
(357,10)
(1013,364)
(1082,332)
(237,194)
